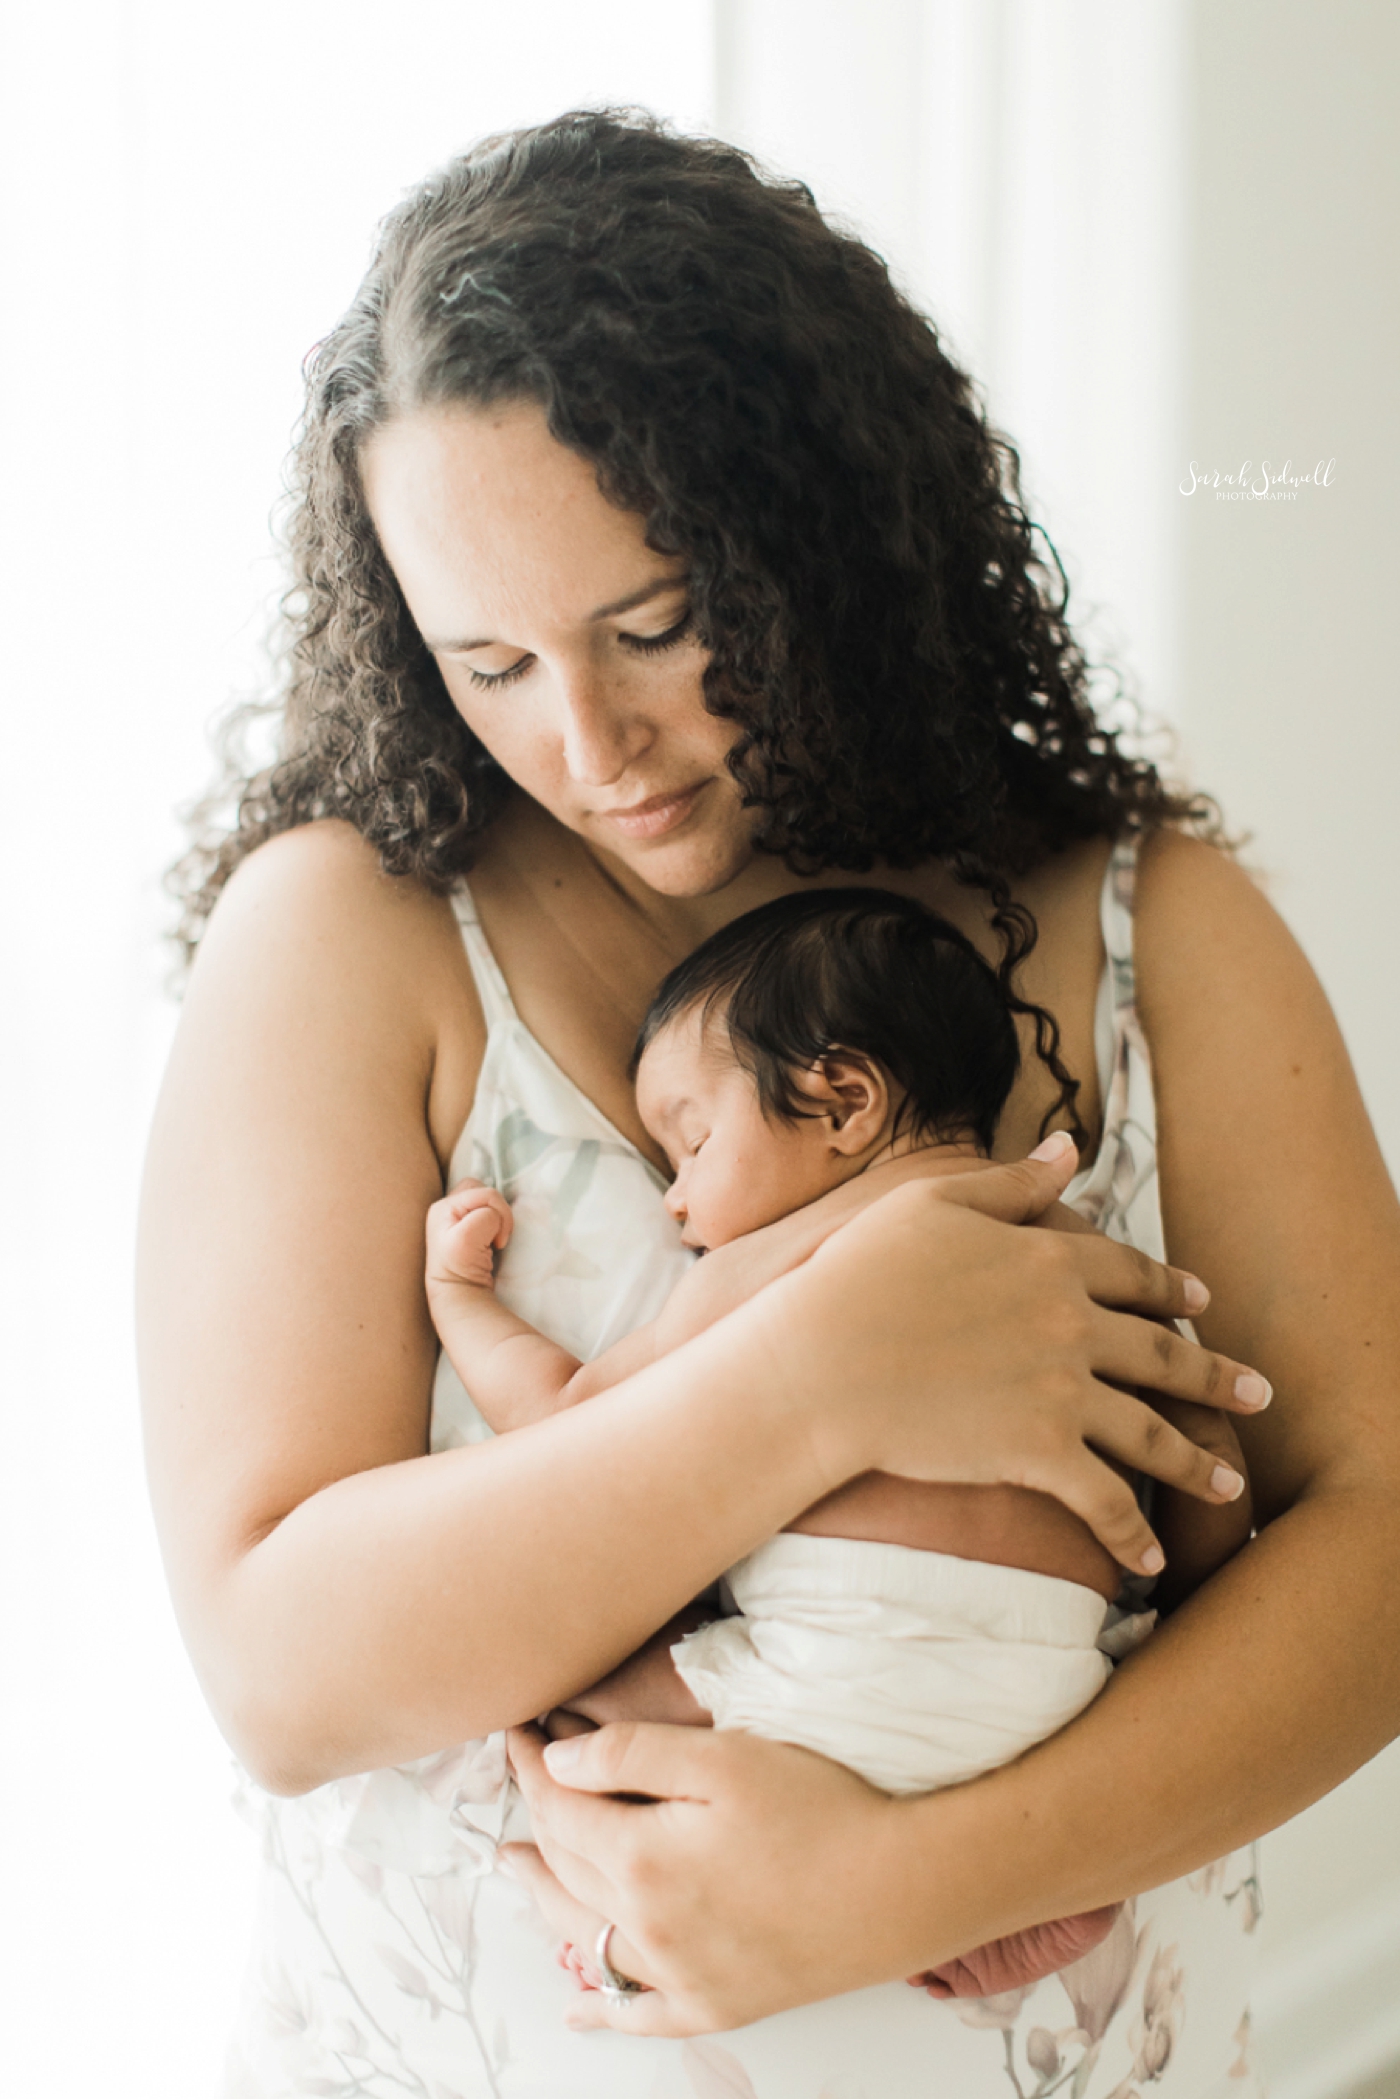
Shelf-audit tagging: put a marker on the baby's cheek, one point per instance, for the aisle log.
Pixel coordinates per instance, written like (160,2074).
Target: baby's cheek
(725,1208)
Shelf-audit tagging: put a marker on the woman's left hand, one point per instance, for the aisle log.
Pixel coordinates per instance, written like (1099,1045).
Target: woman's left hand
(725,1903)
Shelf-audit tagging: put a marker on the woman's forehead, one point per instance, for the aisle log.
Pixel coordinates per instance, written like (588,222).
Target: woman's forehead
(490,523)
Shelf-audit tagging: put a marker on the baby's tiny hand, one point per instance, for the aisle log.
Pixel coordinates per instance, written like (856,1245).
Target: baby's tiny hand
(463,1231)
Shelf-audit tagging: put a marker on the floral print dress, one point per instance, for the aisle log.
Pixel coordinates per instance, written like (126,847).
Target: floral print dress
(392,1961)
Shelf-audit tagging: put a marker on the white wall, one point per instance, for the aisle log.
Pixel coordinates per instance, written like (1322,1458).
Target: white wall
(1020,167)
(187,200)
(1289,710)
(1289,665)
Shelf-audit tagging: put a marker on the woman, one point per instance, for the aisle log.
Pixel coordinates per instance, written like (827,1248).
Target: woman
(653,559)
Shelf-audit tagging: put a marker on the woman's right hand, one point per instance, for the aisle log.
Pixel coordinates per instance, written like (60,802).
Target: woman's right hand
(926,1339)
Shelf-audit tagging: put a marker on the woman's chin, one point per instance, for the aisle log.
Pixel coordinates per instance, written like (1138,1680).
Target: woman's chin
(697,865)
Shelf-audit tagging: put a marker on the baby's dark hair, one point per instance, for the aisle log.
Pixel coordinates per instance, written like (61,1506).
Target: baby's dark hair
(860,970)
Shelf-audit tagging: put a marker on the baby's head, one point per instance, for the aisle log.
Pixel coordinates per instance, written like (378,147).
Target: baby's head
(807,1039)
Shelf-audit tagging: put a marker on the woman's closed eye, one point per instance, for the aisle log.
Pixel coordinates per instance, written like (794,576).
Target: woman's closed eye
(638,644)
(653,644)
(492,681)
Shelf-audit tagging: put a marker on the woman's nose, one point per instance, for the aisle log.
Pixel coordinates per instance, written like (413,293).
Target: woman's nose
(601,735)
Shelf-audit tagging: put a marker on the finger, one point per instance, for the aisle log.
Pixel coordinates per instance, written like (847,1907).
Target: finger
(1130,1351)
(1125,1279)
(476,1228)
(574,1921)
(580,1877)
(1206,1427)
(649,2012)
(1021,1191)
(563,1721)
(586,1840)
(479,1201)
(633,1756)
(492,1201)
(591,1838)
(1136,1435)
(578,1926)
(1103,1500)
(1139,1436)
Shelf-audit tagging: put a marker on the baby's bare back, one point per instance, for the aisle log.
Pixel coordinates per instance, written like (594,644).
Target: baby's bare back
(1012,1526)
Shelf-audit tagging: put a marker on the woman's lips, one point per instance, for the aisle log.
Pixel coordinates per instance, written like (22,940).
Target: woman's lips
(662,812)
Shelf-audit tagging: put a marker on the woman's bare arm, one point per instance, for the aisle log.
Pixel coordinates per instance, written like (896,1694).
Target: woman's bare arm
(1256,1696)
(351,1601)
(348,1600)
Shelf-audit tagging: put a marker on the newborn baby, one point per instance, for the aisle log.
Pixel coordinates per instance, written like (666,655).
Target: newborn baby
(919,1634)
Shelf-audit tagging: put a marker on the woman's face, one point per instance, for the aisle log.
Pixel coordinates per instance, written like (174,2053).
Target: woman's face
(564,641)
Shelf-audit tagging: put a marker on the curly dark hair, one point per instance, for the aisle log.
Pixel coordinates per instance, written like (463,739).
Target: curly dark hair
(885,631)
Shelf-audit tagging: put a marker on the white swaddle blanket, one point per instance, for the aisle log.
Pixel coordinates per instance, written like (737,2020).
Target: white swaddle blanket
(914,1669)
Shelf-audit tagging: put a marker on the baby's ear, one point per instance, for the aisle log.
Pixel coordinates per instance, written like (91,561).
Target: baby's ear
(854,1095)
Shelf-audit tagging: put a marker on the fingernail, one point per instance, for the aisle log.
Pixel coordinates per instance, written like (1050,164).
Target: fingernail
(1054,1146)
(562,1756)
(1195,1292)
(1251,1390)
(1153,1560)
(1226,1482)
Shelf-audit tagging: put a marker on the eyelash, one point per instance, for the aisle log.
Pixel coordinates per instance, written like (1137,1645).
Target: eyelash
(654,644)
(640,644)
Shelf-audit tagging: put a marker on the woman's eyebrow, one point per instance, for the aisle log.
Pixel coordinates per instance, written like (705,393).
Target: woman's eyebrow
(641,596)
(654,589)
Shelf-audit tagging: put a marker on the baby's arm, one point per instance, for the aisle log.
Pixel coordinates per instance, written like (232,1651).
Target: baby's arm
(512,1372)
(521,1385)
(514,1375)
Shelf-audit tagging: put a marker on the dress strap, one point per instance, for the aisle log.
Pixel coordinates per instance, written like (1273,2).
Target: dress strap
(1116,904)
(1116,1191)
(496,1001)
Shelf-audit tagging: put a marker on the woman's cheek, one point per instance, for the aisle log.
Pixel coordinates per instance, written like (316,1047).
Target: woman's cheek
(488,724)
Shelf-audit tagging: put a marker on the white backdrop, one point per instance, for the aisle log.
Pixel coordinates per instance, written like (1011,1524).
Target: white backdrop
(187,200)
(189,196)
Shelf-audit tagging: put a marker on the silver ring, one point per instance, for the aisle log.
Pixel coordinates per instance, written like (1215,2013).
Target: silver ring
(616,1986)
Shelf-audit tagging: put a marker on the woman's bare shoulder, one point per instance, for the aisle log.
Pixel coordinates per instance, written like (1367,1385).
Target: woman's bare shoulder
(311,922)
(1172,862)
(1204,921)
(1273,1186)
(1243,1041)
(324,876)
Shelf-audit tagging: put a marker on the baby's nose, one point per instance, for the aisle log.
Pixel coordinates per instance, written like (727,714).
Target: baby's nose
(675,1202)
